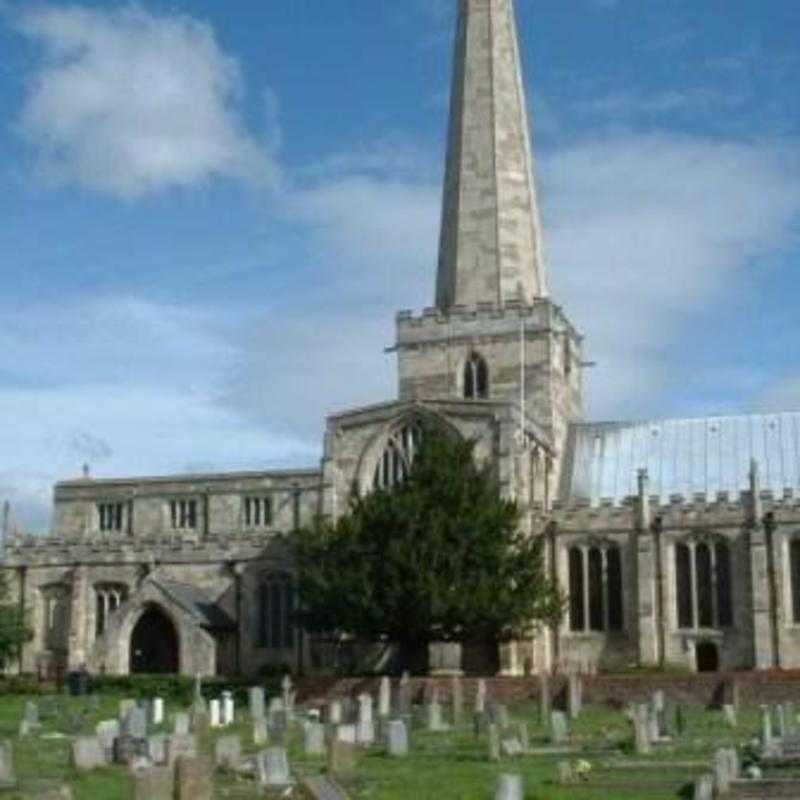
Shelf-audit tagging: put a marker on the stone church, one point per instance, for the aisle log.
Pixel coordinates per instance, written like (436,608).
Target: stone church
(676,542)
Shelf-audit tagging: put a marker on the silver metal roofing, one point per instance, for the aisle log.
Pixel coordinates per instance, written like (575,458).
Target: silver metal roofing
(682,456)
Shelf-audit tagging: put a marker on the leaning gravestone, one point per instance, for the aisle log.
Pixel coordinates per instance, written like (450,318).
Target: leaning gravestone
(341,757)
(156,783)
(87,753)
(8,779)
(193,780)
(319,787)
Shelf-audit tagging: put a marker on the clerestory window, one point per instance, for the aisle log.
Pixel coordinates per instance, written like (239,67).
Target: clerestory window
(110,516)
(703,584)
(257,512)
(595,588)
(183,514)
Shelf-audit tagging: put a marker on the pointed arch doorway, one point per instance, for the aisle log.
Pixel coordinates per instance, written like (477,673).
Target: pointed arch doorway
(154,644)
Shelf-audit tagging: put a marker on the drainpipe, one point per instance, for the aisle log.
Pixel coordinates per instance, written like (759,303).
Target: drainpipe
(658,528)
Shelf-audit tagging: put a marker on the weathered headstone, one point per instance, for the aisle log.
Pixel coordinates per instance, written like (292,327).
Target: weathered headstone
(341,757)
(135,723)
(346,733)
(156,783)
(397,739)
(257,705)
(157,748)
(180,746)
(493,733)
(722,772)
(228,709)
(366,727)
(86,754)
(180,724)
(385,697)
(199,720)
(703,787)
(273,767)
(287,695)
(107,731)
(125,707)
(564,773)
(559,727)
(260,734)
(32,716)
(433,713)
(640,717)
(767,738)
(498,714)
(157,711)
(314,739)
(8,779)
(509,787)
(193,780)
(574,696)
(334,712)
(457,699)
(321,787)
(729,713)
(215,713)
(480,697)
(544,698)
(227,752)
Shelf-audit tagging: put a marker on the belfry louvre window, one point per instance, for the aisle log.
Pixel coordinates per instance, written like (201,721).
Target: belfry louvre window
(257,512)
(183,514)
(703,584)
(476,378)
(276,613)
(110,516)
(595,588)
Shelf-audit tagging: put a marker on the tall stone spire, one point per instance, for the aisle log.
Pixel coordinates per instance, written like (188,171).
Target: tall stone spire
(490,249)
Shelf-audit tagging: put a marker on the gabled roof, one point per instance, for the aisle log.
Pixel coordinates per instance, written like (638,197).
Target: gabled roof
(196,603)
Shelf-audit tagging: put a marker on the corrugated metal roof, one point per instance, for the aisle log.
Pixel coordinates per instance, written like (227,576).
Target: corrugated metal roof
(682,456)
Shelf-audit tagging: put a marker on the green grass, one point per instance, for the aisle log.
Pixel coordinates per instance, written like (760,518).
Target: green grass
(446,766)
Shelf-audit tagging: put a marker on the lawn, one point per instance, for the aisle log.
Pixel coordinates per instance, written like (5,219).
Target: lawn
(444,766)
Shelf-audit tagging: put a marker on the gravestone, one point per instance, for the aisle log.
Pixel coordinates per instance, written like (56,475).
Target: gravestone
(346,733)
(86,754)
(314,739)
(156,783)
(366,727)
(107,732)
(193,780)
(493,734)
(260,735)
(767,739)
(227,752)
(397,739)
(544,698)
(273,767)
(703,787)
(457,700)
(480,697)
(256,702)
(404,695)
(31,717)
(559,727)
(157,748)
(157,711)
(385,697)
(523,735)
(180,746)
(511,747)
(320,787)
(8,779)
(180,724)
(199,720)
(729,713)
(228,709)
(498,714)
(135,724)
(574,696)
(334,712)
(564,773)
(215,713)
(341,757)
(125,707)
(433,713)
(640,717)
(509,787)
(287,695)
(722,772)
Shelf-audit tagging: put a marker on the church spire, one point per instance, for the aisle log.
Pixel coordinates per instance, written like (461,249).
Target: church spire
(490,248)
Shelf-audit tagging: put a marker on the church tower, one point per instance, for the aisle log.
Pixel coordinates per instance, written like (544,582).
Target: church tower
(493,335)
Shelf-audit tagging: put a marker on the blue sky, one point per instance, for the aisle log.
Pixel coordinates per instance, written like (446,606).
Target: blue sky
(211,212)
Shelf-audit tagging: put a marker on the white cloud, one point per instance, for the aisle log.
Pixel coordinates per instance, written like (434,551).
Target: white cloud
(127,102)
(646,234)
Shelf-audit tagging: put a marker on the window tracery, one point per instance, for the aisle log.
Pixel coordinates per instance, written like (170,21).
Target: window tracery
(595,587)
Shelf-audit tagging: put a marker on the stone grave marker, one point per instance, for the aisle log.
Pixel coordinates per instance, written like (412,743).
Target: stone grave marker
(287,695)
(273,768)
(228,752)
(457,700)
(31,717)
(86,754)
(135,724)
(480,697)
(256,702)
(157,711)
(193,779)
(107,731)
(509,787)
(8,779)
(156,783)
(228,709)
(366,728)
(704,787)
(385,697)
(640,717)
(199,719)
(564,773)
(559,727)
(260,734)
(729,713)
(125,707)
(215,713)
(498,714)
(157,748)
(180,724)
(314,739)
(434,712)
(334,712)
(404,695)
(341,757)
(346,733)
(320,787)
(180,746)
(493,735)
(574,695)
(397,739)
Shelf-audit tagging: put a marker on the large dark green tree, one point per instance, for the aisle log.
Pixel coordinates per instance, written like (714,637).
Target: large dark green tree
(14,628)
(438,557)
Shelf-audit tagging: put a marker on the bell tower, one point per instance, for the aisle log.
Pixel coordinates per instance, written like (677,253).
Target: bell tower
(493,334)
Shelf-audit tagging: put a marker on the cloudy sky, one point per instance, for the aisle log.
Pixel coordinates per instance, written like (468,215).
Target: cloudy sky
(211,211)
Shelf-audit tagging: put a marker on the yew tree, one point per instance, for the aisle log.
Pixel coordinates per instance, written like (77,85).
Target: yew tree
(14,628)
(437,557)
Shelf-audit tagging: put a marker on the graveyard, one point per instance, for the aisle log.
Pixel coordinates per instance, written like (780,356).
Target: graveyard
(395,738)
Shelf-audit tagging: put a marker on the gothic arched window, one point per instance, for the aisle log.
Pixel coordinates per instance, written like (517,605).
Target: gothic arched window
(595,588)
(395,461)
(476,378)
(275,616)
(108,598)
(703,584)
